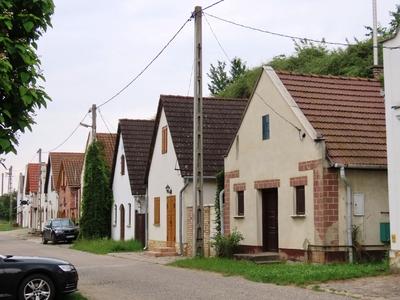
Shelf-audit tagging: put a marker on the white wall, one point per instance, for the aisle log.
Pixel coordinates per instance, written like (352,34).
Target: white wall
(122,196)
(162,173)
(52,199)
(391,60)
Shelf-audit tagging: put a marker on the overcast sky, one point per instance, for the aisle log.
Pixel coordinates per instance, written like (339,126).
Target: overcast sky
(96,47)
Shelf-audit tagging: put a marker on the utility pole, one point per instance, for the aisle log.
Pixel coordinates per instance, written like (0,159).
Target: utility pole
(375,31)
(9,191)
(198,211)
(94,116)
(40,189)
(2,184)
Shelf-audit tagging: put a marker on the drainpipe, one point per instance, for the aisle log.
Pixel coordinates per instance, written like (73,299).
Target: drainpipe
(221,210)
(146,221)
(349,212)
(181,216)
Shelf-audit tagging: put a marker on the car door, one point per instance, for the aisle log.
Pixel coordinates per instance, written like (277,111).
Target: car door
(9,275)
(47,230)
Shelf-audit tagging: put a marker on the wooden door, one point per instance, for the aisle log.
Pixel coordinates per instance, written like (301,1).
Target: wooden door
(171,221)
(140,227)
(270,219)
(122,222)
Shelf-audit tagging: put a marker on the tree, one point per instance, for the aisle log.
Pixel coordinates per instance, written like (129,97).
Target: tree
(97,197)
(5,206)
(220,79)
(22,22)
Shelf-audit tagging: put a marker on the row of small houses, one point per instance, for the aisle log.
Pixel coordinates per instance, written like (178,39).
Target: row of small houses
(304,162)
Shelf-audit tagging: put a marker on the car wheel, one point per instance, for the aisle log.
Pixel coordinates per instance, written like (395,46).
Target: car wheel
(69,241)
(44,240)
(36,286)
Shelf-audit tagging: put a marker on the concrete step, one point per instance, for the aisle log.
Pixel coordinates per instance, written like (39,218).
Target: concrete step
(165,249)
(261,257)
(160,254)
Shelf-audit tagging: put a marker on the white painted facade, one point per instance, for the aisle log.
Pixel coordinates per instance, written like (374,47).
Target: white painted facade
(123,197)
(164,170)
(392,102)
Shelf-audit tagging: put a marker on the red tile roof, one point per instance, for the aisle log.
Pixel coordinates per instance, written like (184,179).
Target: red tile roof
(222,118)
(348,112)
(136,137)
(73,170)
(32,178)
(108,141)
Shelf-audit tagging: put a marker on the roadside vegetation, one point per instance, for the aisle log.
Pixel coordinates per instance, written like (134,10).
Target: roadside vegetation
(284,273)
(74,296)
(104,246)
(5,226)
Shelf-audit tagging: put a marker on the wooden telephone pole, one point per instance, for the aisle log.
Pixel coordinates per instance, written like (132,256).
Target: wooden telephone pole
(10,191)
(198,211)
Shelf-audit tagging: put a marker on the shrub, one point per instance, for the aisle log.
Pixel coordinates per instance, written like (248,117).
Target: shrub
(226,246)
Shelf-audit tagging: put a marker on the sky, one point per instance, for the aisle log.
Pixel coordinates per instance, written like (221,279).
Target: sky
(97,46)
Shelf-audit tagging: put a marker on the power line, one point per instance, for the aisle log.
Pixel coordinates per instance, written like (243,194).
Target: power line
(216,38)
(190,80)
(293,37)
(70,135)
(207,7)
(104,121)
(148,65)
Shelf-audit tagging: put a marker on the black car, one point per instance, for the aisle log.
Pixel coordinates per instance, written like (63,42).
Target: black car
(60,230)
(35,278)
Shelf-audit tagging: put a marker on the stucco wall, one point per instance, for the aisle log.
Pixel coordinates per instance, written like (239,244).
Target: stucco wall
(373,185)
(391,59)
(122,195)
(275,158)
(164,170)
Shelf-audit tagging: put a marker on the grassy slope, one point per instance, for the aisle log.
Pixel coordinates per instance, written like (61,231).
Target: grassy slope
(284,274)
(104,246)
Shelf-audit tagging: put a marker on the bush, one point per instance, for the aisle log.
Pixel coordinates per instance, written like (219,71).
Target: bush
(226,246)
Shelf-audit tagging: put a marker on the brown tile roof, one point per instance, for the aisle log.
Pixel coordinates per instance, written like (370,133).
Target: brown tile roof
(73,169)
(136,137)
(32,178)
(54,162)
(348,112)
(222,118)
(108,141)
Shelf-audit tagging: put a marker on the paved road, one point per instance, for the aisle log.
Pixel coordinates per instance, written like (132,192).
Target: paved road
(119,278)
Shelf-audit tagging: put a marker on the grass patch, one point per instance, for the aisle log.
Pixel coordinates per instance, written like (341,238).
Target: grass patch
(282,273)
(5,226)
(74,296)
(104,246)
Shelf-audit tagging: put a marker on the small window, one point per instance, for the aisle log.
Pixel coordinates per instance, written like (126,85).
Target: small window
(164,140)
(240,203)
(122,164)
(115,214)
(129,214)
(157,211)
(265,127)
(300,200)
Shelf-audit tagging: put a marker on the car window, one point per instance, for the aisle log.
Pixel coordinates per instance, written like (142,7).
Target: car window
(62,223)
(48,223)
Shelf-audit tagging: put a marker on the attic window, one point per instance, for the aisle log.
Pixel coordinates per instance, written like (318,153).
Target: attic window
(122,164)
(265,127)
(164,140)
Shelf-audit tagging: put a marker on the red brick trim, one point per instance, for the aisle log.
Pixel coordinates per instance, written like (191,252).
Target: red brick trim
(296,181)
(309,165)
(238,187)
(227,213)
(267,184)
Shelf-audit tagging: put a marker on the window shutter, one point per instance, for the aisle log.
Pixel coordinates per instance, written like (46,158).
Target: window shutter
(265,127)
(300,200)
(164,141)
(157,211)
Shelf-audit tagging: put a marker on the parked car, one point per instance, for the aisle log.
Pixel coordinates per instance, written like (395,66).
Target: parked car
(35,277)
(57,230)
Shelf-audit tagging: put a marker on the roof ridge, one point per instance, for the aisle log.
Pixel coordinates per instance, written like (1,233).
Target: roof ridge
(207,98)
(326,76)
(124,119)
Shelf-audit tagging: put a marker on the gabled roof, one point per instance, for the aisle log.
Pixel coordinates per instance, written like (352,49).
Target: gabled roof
(108,141)
(348,112)
(136,137)
(72,167)
(221,120)
(54,163)
(32,178)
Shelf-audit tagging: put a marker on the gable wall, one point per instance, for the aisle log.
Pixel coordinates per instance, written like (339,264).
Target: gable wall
(122,195)
(273,162)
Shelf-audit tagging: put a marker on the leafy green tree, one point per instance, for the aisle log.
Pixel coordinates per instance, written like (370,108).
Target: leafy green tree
(219,77)
(5,206)
(22,22)
(97,197)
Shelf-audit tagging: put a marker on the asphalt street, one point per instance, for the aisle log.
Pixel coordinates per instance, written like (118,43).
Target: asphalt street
(104,277)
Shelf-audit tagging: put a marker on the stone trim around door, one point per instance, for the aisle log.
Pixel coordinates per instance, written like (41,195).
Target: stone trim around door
(239,187)
(267,184)
(297,181)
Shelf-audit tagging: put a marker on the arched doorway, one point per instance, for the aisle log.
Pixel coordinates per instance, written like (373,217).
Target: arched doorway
(122,222)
